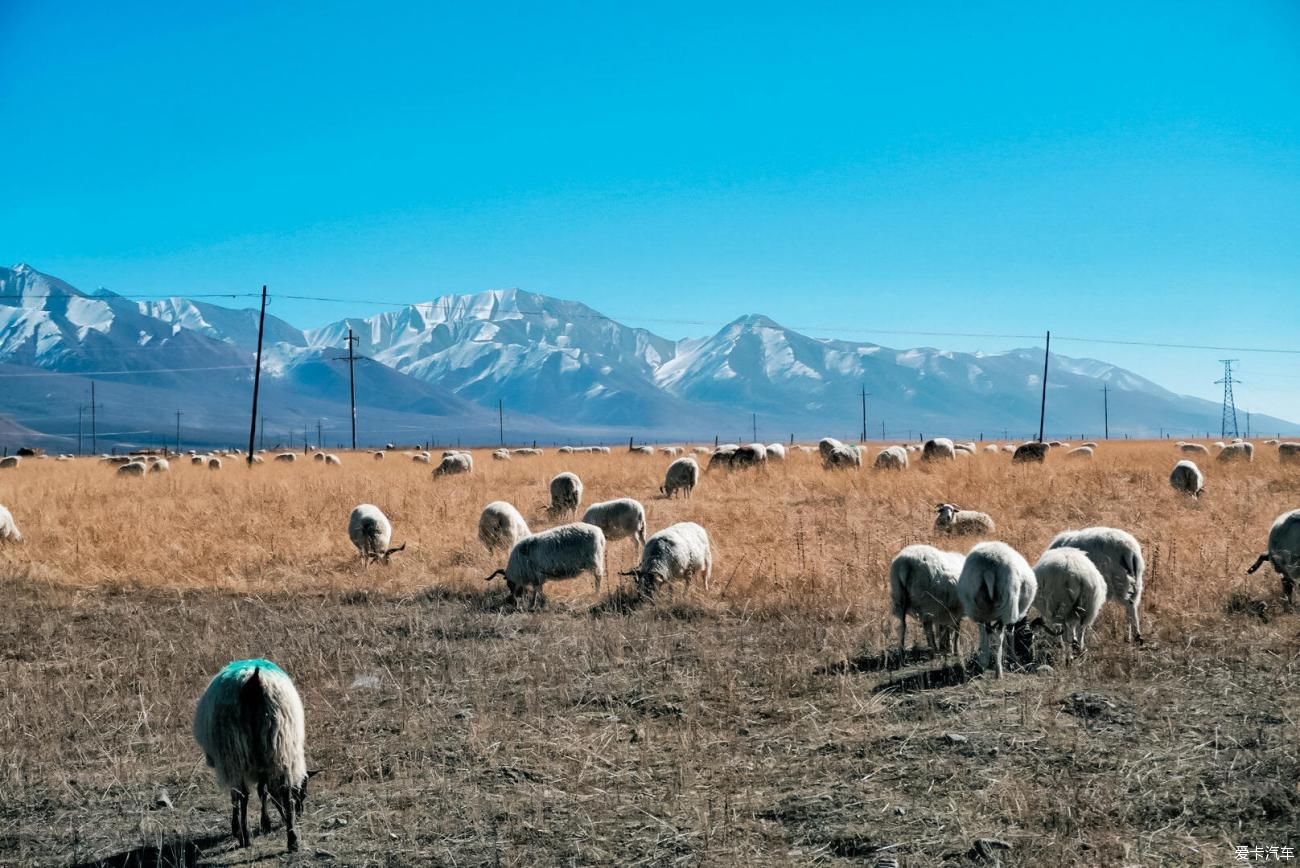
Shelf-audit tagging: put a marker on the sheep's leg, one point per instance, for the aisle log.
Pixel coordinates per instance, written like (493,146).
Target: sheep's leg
(998,631)
(984,647)
(598,573)
(1135,629)
(286,810)
(902,639)
(239,818)
(929,635)
(266,816)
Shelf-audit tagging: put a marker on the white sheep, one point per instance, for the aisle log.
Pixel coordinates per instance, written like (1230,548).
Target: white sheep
(214,463)
(10,462)
(371,532)
(318,456)
(923,581)
(996,588)
(287,457)
(500,526)
(618,519)
(379,455)
(679,551)
(1288,453)
(131,468)
(455,463)
(501,455)
(670,450)
(702,450)
(682,475)
(721,457)
(1187,478)
(1284,551)
(1195,448)
(775,452)
(1080,452)
(938,449)
(566,493)
(642,450)
(952,519)
(843,457)
(1118,556)
(565,450)
(420,458)
(563,552)
(161,465)
(1237,452)
(250,726)
(962,450)
(749,455)
(198,460)
(1034,451)
(9,532)
(528,451)
(891,458)
(993,448)
(1071,591)
(332,460)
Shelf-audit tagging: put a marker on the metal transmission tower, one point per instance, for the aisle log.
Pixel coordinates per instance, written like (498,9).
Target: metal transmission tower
(1229,424)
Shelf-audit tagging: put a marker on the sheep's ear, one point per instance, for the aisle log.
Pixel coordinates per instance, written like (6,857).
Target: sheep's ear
(311,773)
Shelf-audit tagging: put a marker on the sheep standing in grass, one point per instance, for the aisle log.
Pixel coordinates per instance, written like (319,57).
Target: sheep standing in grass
(455,463)
(379,456)
(1070,593)
(1284,552)
(162,465)
(250,726)
(8,527)
(939,449)
(996,588)
(131,468)
(641,450)
(952,519)
(371,532)
(1118,557)
(721,457)
(318,456)
(1187,478)
(1195,448)
(501,455)
(775,452)
(1030,452)
(843,457)
(923,581)
(679,551)
(1288,453)
(332,460)
(827,445)
(563,552)
(198,460)
(500,526)
(618,519)
(1080,452)
(420,458)
(1238,452)
(10,462)
(287,457)
(214,463)
(682,475)
(749,455)
(891,458)
(566,494)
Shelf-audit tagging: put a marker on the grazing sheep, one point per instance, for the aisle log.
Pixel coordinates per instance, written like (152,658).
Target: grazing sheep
(1195,448)
(1070,593)
(528,451)
(379,455)
(371,532)
(1238,452)
(500,526)
(1288,452)
(421,458)
(843,457)
(287,457)
(249,724)
(1118,556)
(501,455)
(996,588)
(891,458)
(923,580)
(1032,451)
(131,468)
(457,462)
(8,527)
(562,552)
(682,475)
(1080,452)
(199,460)
(9,462)
(318,456)
(953,519)
(938,449)
(618,519)
(1056,444)
(1009,448)
(1284,552)
(670,450)
(162,465)
(566,494)
(992,447)
(775,452)
(256,459)
(722,456)
(332,460)
(1187,478)
(826,445)
(642,450)
(565,450)
(1218,444)
(679,551)
(961,450)
(214,463)
(702,450)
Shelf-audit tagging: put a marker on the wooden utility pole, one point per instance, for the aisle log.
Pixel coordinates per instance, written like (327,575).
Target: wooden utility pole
(1105,407)
(864,413)
(257,379)
(318,440)
(501,421)
(754,426)
(178,432)
(352,387)
(94,439)
(80,409)
(1042,408)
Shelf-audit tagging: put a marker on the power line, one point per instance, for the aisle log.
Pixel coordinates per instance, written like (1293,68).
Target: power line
(127,372)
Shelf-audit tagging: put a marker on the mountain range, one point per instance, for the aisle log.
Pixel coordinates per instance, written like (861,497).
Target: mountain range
(558,371)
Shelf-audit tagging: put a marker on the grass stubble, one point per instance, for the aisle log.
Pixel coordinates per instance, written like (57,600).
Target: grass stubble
(744,724)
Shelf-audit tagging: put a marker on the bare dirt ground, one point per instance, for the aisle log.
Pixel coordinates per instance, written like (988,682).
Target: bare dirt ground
(753,723)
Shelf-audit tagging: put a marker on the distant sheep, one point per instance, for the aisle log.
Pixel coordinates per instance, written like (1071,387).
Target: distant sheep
(1071,591)
(332,460)
(162,465)
(1118,556)
(10,462)
(702,450)
(318,456)
(775,452)
(379,456)
(1009,448)
(527,451)
(249,724)
(923,581)
(670,450)
(1084,452)
(1030,452)
(843,457)
(131,468)
(996,588)
(679,551)
(1187,478)
(566,493)
(891,458)
(992,447)
(682,475)
(826,445)
(500,526)
(8,527)
(952,519)
(1238,452)
(938,449)
(962,450)
(1288,453)
(565,450)
(421,458)
(623,518)
(456,463)
(1284,552)
(287,457)
(1195,448)
(501,455)
(721,457)
(563,552)
(371,532)
(199,460)
(214,463)
(642,450)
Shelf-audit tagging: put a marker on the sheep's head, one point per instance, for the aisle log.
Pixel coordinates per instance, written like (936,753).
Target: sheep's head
(299,794)
(946,512)
(390,552)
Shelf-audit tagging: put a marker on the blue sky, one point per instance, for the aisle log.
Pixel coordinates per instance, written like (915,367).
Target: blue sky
(1120,170)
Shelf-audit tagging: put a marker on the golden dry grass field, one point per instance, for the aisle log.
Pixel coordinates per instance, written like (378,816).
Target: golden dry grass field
(752,723)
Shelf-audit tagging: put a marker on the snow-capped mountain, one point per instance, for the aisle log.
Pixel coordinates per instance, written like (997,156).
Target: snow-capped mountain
(563,371)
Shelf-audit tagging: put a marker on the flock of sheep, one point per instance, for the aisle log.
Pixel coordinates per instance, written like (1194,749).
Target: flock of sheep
(250,721)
